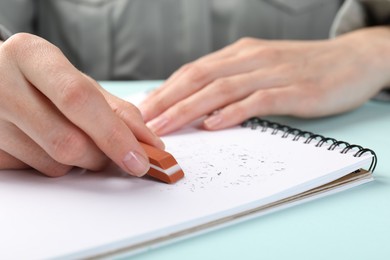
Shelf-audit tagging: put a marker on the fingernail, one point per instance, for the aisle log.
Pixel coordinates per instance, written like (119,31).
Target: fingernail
(157,124)
(213,121)
(157,141)
(136,163)
(143,112)
(160,143)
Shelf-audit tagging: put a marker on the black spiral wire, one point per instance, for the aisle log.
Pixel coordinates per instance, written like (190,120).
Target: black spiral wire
(256,122)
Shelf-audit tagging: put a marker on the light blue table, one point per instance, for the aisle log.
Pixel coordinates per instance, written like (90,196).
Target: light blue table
(354,224)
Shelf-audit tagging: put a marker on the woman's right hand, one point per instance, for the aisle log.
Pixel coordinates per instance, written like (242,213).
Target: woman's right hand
(53,117)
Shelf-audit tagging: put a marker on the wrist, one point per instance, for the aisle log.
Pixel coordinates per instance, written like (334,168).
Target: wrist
(371,46)
(381,39)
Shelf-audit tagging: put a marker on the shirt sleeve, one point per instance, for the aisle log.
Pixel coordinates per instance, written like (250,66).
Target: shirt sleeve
(4,33)
(357,14)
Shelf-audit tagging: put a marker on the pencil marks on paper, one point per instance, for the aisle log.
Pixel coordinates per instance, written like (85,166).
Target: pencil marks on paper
(208,166)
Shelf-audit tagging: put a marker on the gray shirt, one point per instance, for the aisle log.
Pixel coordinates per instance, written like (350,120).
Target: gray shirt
(149,39)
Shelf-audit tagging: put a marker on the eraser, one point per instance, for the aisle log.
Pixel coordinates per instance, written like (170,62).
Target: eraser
(163,166)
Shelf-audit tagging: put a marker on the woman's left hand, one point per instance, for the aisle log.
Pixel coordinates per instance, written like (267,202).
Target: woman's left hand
(255,77)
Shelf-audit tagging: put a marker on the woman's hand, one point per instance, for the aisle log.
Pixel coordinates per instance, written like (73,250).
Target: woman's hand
(257,77)
(53,117)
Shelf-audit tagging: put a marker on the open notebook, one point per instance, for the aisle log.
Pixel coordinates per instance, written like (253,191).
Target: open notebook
(231,175)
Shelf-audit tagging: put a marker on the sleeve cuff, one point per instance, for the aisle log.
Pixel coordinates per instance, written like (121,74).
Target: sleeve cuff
(357,14)
(350,17)
(384,95)
(4,33)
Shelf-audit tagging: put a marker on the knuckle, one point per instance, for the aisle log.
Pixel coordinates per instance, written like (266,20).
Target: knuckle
(23,38)
(197,72)
(73,95)
(185,67)
(223,86)
(127,111)
(113,136)
(263,100)
(241,112)
(181,110)
(56,170)
(245,41)
(24,45)
(15,43)
(258,96)
(266,52)
(68,148)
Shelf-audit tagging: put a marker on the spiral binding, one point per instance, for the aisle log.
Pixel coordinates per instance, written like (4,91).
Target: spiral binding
(256,122)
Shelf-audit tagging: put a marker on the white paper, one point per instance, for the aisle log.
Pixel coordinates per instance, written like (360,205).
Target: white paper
(225,172)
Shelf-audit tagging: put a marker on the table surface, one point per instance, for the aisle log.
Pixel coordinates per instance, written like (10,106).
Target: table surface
(354,224)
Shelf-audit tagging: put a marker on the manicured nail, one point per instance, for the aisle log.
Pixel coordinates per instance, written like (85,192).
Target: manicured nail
(143,112)
(157,141)
(213,121)
(136,163)
(160,144)
(157,124)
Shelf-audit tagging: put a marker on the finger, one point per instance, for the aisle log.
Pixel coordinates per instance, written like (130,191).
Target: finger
(273,101)
(193,69)
(26,152)
(225,52)
(7,161)
(229,51)
(48,70)
(62,140)
(192,80)
(131,115)
(210,98)
(36,116)
(218,94)
(205,59)
(199,74)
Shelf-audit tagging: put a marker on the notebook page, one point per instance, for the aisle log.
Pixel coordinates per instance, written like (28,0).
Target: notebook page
(226,172)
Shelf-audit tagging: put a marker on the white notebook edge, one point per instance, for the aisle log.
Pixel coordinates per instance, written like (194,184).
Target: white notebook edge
(123,249)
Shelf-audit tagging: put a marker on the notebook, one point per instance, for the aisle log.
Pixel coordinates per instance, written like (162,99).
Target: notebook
(230,176)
